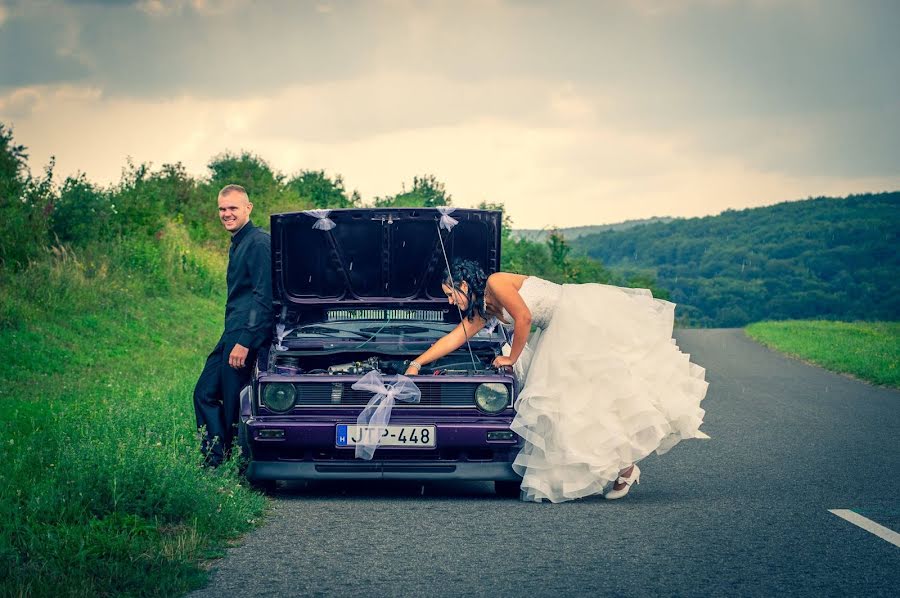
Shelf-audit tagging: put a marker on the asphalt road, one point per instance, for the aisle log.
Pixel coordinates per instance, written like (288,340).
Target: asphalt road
(745,513)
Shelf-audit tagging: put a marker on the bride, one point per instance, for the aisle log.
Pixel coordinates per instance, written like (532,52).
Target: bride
(605,384)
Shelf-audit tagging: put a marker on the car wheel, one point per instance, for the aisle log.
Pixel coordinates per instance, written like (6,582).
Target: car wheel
(265,486)
(507,489)
(242,441)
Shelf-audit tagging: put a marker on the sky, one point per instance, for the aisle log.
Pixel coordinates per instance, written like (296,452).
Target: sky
(569,113)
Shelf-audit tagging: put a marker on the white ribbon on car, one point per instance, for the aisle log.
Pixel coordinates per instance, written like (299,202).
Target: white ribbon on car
(280,332)
(491,325)
(447,222)
(374,418)
(323,222)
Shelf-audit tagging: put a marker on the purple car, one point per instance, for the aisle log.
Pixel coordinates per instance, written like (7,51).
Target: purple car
(360,290)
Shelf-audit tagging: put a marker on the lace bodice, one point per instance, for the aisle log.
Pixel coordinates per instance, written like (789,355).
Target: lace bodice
(541,297)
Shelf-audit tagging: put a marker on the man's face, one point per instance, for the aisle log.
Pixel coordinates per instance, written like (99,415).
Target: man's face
(234,211)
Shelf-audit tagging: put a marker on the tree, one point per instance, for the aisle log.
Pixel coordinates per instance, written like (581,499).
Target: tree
(13,167)
(25,203)
(559,249)
(247,170)
(83,213)
(315,187)
(145,200)
(506,220)
(427,192)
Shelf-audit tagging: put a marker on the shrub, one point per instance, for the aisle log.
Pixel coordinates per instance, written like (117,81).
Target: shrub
(25,203)
(83,214)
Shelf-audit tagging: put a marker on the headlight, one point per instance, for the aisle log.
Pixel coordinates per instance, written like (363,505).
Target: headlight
(279,396)
(492,397)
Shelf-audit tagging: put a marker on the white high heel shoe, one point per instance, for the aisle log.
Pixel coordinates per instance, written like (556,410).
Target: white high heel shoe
(634,478)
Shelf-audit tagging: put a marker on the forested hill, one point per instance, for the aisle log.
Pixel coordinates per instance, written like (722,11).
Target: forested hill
(541,235)
(817,258)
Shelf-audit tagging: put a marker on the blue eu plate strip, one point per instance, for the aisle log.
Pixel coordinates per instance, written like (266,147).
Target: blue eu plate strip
(341,435)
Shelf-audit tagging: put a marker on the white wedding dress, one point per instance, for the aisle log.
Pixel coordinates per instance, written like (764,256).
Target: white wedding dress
(605,386)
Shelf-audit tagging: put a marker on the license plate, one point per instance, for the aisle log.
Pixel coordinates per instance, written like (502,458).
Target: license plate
(414,436)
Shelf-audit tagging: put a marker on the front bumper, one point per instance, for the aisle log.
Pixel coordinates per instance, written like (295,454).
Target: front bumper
(304,449)
(380,470)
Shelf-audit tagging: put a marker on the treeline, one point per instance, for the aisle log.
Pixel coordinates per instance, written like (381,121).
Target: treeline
(134,219)
(818,258)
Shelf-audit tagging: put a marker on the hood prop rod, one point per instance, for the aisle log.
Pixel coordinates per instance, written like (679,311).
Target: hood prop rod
(462,320)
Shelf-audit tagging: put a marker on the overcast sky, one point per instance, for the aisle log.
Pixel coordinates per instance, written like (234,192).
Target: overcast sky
(569,113)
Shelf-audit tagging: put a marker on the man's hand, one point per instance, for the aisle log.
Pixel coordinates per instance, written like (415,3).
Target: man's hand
(238,356)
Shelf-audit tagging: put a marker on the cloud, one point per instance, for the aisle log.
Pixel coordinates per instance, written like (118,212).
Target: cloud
(602,110)
(554,160)
(165,8)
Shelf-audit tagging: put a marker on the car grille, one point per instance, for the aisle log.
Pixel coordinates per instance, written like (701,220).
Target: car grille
(341,393)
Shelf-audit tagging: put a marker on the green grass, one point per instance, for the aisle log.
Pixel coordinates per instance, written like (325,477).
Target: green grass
(101,490)
(866,350)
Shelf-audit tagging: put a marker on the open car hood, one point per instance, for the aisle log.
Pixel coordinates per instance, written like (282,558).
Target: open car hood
(375,257)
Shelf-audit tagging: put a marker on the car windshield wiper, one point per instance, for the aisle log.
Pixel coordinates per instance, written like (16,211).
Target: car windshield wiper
(397,329)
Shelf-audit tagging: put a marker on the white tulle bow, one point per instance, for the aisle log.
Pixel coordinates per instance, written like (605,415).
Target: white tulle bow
(491,325)
(375,417)
(447,222)
(280,332)
(323,222)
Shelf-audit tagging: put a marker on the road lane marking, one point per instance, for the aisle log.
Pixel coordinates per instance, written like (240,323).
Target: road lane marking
(867,524)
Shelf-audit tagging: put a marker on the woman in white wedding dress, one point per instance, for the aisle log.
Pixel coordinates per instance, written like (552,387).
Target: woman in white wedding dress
(605,384)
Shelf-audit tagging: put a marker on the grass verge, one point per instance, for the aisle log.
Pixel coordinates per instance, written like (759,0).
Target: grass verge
(101,492)
(866,350)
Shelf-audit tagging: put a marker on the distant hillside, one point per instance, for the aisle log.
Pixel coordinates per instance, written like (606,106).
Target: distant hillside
(540,234)
(817,258)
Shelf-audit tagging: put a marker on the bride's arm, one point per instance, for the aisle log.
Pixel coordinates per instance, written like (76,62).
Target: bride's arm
(448,343)
(509,297)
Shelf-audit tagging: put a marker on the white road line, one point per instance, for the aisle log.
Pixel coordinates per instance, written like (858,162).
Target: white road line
(868,525)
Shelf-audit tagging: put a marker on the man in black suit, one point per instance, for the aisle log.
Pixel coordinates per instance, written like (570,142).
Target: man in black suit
(248,326)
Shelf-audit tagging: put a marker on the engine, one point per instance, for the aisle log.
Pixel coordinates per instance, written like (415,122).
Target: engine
(458,364)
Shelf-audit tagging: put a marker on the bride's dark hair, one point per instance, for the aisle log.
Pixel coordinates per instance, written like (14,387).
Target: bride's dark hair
(470,272)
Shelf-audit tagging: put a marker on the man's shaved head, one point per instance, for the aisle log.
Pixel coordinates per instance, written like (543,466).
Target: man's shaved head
(229,189)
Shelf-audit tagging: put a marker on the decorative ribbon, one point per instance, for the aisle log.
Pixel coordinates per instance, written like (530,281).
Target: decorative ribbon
(491,325)
(323,222)
(280,332)
(447,222)
(374,418)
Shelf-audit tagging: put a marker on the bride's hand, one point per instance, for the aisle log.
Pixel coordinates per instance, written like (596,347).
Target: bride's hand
(413,369)
(502,360)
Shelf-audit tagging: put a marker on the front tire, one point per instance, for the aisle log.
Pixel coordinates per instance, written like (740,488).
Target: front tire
(507,489)
(264,486)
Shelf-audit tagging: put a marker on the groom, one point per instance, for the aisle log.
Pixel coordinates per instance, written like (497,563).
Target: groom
(248,326)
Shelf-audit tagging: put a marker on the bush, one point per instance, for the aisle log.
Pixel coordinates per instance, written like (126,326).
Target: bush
(315,187)
(83,214)
(25,204)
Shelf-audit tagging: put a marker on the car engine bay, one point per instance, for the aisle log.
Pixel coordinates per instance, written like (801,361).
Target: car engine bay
(459,363)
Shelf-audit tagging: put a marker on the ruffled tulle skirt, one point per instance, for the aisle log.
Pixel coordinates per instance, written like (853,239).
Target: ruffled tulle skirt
(606,386)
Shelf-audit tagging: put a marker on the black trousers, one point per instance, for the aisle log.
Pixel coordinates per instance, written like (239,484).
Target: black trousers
(217,400)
